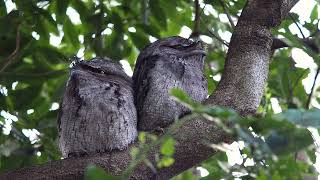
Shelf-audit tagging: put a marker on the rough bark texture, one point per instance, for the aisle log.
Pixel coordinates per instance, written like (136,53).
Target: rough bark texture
(240,88)
(165,64)
(250,49)
(98,112)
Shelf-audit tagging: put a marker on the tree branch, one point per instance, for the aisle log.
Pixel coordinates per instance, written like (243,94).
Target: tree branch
(310,42)
(312,89)
(197,18)
(14,54)
(192,147)
(218,38)
(212,33)
(241,88)
(227,13)
(295,22)
(246,68)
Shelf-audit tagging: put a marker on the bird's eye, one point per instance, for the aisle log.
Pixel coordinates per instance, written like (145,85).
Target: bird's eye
(185,45)
(92,69)
(178,46)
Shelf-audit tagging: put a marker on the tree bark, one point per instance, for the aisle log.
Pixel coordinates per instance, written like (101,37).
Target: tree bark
(246,68)
(241,88)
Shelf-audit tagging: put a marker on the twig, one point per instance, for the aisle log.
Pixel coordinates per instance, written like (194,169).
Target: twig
(13,55)
(100,28)
(218,38)
(212,33)
(312,89)
(144,12)
(202,10)
(295,22)
(280,43)
(227,13)
(196,28)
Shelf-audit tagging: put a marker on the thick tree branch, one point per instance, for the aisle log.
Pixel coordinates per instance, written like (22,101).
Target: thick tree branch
(192,148)
(241,88)
(250,49)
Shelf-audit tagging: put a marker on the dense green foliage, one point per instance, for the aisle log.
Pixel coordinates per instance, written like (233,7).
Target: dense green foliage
(33,73)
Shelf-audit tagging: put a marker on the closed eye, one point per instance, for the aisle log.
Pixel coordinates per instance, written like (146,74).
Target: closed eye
(179,47)
(92,69)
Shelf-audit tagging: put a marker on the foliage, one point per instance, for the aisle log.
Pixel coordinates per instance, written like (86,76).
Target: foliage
(33,79)
(270,141)
(96,173)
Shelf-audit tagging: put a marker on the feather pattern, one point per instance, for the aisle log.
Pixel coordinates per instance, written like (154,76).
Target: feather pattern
(98,112)
(169,63)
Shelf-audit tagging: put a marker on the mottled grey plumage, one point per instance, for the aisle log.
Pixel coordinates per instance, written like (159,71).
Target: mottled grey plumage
(98,112)
(165,64)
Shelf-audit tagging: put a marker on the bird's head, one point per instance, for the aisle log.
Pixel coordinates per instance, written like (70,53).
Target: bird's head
(174,46)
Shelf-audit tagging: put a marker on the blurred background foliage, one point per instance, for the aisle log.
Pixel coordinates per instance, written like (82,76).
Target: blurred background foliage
(38,37)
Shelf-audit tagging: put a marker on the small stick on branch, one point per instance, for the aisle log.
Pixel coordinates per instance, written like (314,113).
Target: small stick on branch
(14,54)
(218,38)
(312,89)
(295,22)
(196,28)
(280,43)
(212,33)
(227,13)
(144,12)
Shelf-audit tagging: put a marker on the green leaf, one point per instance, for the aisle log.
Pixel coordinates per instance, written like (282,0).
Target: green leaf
(117,21)
(187,175)
(285,80)
(139,39)
(310,118)
(61,9)
(314,13)
(283,143)
(71,34)
(50,22)
(142,137)
(182,97)
(52,54)
(158,13)
(167,147)
(9,21)
(212,165)
(281,136)
(3,9)
(152,30)
(165,162)
(93,172)
(294,41)
(81,8)
(312,155)
(134,152)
